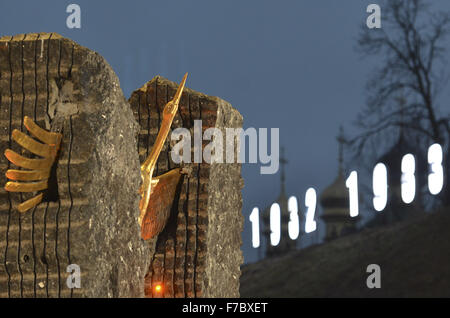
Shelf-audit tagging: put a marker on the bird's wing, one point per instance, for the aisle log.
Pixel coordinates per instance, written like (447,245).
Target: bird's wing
(160,204)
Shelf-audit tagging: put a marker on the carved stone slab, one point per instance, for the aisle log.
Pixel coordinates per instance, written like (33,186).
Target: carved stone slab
(198,254)
(93,222)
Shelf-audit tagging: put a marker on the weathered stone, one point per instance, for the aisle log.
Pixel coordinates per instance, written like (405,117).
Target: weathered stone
(93,223)
(93,219)
(198,253)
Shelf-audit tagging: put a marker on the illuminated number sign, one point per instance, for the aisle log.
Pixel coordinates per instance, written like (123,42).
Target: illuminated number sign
(275,224)
(294,224)
(380,196)
(379,185)
(254,218)
(408,182)
(436,176)
(352,185)
(310,203)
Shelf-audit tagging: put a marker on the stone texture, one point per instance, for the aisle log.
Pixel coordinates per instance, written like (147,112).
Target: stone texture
(198,253)
(224,258)
(68,88)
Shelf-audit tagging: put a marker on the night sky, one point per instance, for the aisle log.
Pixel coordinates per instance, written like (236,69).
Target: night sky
(282,64)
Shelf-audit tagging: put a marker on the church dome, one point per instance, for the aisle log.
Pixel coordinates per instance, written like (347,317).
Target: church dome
(335,202)
(334,199)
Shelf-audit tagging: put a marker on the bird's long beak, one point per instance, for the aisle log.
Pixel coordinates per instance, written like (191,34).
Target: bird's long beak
(177,97)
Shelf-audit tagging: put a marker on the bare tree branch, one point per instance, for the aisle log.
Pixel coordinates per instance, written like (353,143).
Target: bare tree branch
(412,42)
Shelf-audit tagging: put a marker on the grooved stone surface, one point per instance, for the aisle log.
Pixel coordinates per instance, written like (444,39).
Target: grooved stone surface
(198,253)
(68,88)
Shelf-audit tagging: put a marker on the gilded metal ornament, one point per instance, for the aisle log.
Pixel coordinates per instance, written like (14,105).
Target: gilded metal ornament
(158,192)
(38,172)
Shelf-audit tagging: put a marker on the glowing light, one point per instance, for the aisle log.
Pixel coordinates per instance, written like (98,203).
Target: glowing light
(254,219)
(275,224)
(293,225)
(436,176)
(158,288)
(379,183)
(310,203)
(408,179)
(352,184)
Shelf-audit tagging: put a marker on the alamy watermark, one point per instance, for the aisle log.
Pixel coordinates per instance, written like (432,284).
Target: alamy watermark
(374,19)
(73,21)
(374,279)
(229,145)
(74,279)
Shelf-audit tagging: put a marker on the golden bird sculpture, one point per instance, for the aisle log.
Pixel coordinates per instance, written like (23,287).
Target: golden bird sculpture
(157,193)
